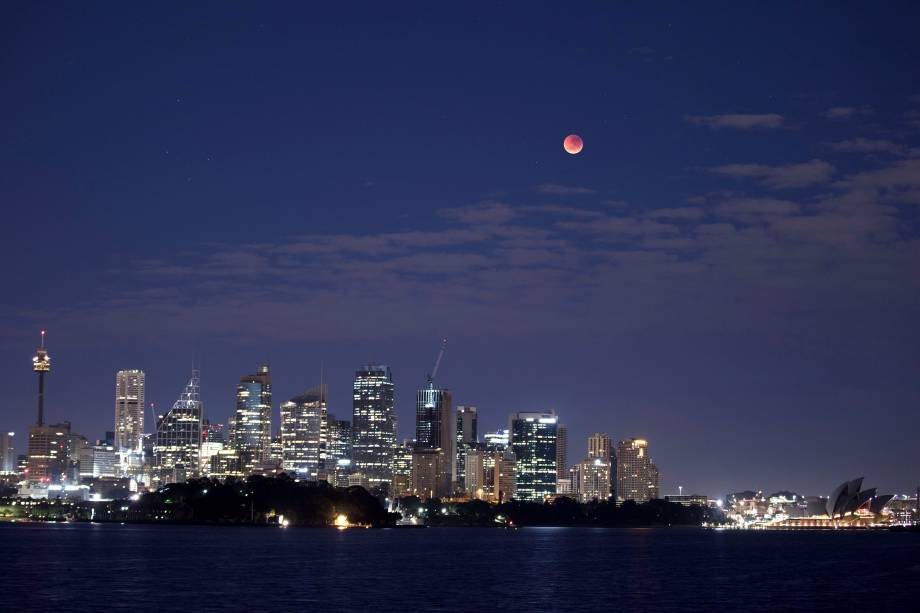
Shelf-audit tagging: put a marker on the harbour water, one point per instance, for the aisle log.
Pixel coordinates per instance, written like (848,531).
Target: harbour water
(110,567)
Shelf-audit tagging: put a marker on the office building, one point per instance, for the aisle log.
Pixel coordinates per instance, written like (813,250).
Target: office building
(374,425)
(301,433)
(466,438)
(49,454)
(474,473)
(562,452)
(98,461)
(402,470)
(129,411)
(498,440)
(428,473)
(637,476)
(252,431)
(7,453)
(178,437)
(435,431)
(338,440)
(533,442)
(599,447)
(591,479)
(505,477)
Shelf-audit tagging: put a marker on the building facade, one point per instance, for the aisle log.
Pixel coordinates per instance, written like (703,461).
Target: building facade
(49,453)
(533,442)
(637,476)
(428,473)
(562,452)
(591,480)
(467,436)
(435,431)
(129,411)
(252,424)
(402,470)
(301,433)
(374,424)
(178,438)
(7,453)
(599,447)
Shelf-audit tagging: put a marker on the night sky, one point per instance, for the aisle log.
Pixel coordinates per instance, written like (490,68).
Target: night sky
(730,268)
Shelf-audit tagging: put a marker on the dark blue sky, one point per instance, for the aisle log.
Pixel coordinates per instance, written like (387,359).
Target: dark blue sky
(729,268)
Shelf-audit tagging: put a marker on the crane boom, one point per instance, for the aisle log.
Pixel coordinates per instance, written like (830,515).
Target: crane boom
(437,363)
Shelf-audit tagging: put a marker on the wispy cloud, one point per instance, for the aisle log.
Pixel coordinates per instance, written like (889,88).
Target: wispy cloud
(786,176)
(563,190)
(686,212)
(739,121)
(485,213)
(847,112)
(868,145)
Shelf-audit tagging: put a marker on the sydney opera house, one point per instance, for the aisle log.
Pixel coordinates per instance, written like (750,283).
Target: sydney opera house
(849,506)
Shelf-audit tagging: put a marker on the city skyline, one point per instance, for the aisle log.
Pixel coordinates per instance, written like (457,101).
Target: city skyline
(725,268)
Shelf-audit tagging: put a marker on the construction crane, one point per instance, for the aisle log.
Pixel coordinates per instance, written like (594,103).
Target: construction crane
(437,363)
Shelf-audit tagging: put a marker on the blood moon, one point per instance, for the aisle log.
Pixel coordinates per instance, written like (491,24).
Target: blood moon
(573,144)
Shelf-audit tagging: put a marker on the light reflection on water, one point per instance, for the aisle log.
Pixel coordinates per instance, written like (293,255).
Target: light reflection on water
(167,568)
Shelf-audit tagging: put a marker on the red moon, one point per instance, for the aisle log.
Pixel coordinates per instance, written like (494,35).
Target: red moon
(573,143)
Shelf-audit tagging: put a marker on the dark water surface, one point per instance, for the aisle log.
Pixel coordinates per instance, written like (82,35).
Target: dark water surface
(80,567)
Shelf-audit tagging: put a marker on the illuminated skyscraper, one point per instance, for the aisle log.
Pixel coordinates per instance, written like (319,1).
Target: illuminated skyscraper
(599,446)
(562,452)
(252,432)
(504,477)
(7,453)
(402,470)
(178,439)
(434,432)
(338,441)
(301,433)
(374,424)
(474,472)
(49,452)
(466,439)
(533,441)
(637,477)
(498,440)
(428,473)
(591,479)
(129,410)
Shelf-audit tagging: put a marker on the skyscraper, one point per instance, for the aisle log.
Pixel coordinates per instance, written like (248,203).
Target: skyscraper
(252,432)
(49,452)
(7,453)
(467,436)
(637,477)
(129,410)
(467,424)
(402,470)
(374,424)
(504,476)
(533,441)
(301,433)
(591,479)
(474,473)
(338,440)
(178,438)
(562,452)
(599,446)
(434,432)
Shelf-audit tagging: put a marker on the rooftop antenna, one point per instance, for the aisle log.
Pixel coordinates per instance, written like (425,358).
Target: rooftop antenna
(437,363)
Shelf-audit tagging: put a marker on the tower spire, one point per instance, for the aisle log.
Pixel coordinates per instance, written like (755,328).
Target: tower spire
(41,363)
